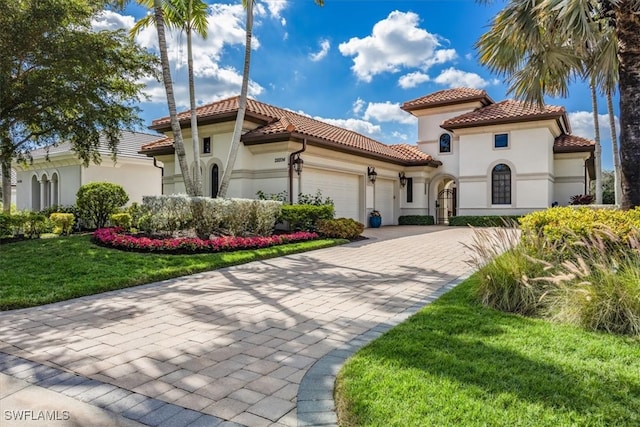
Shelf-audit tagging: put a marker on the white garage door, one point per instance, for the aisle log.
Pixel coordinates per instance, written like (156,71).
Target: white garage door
(342,188)
(385,201)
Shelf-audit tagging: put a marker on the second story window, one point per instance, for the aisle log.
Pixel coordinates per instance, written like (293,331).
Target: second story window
(501,140)
(445,143)
(206,145)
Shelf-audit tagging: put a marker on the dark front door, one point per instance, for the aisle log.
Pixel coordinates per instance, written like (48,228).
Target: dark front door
(446,205)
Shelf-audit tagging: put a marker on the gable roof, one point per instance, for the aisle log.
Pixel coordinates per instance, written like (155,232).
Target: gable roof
(128,146)
(278,124)
(507,111)
(572,143)
(448,97)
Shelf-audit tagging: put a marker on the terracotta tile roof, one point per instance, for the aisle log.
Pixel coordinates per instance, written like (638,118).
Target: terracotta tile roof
(572,143)
(282,123)
(412,152)
(448,97)
(507,111)
(157,144)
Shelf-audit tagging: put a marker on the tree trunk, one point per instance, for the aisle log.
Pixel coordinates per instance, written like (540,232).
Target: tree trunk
(242,106)
(171,102)
(598,148)
(614,149)
(5,165)
(197,175)
(628,32)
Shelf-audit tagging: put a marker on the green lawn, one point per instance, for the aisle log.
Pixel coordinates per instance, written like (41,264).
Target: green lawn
(37,272)
(456,363)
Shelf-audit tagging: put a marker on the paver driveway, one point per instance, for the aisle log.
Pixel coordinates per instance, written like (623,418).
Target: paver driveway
(233,344)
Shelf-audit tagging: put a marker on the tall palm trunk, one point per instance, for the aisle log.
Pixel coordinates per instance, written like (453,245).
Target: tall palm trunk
(171,102)
(242,107)
(614,149)
(195,138)
(598,148)
(628,33)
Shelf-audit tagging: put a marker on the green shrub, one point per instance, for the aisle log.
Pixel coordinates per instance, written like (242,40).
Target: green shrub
(96,201)
(137,212)
(33,223)
(167,214)
(484,221)
(416,220)
(62,222)
(341,228)
(305,217)
(6,225)
(315,199)
(121,219)
(566,225)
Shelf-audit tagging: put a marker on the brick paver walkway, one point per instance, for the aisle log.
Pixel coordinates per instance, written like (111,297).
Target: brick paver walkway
(236,343)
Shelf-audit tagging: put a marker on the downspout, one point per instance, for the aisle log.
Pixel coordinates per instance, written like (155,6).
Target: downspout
(291,156)
(155,164)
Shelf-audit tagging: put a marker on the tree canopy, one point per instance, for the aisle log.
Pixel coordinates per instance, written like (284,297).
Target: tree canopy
(61,81)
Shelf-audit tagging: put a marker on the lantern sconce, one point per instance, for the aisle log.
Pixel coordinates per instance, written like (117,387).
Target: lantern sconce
(403,179)
(372,174)
(297,164)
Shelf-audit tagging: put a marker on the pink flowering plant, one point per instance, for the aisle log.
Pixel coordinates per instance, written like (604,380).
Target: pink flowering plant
(115,237)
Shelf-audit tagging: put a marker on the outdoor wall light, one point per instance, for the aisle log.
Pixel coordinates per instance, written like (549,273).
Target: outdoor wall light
(297,164)
(372,174)
(403,179)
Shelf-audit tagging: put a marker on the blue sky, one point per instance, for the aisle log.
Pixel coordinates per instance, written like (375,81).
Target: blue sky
(351,63)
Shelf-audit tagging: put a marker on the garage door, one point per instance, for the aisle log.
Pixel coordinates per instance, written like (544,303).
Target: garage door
(385,201)
(342,188)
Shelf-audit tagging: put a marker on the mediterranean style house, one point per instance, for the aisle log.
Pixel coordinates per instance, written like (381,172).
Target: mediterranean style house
(55,174)
(473,157)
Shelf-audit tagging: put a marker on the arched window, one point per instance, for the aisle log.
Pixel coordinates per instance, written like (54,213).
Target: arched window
(445,143)
(215,176)
(501,185)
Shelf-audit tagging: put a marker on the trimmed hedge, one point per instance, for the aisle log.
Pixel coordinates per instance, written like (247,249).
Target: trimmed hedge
(305,217)
(568,224)
(62,222)
(416,220)
(484,221)
(340,228)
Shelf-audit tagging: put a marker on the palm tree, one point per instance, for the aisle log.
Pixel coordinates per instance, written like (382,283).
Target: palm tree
(242,102)
(189,16)
(178,142)
(550,40)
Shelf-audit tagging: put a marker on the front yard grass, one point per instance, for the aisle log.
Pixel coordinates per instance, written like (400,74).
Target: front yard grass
(43,271)
(458,363)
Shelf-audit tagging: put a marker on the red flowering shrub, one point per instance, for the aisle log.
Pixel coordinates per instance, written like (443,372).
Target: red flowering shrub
(118,239)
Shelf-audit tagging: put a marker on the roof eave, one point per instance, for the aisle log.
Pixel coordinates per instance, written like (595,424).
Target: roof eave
(509,120)
(574,149)
(485,99)
(320,142)
(152,152)
(213,119)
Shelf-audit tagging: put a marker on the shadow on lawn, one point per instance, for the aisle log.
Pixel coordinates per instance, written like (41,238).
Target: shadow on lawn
(490,354)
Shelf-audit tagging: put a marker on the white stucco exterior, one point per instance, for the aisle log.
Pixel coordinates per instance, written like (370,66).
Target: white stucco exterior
(54,179)
(544,168)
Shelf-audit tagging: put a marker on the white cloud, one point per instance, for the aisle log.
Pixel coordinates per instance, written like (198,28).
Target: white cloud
(109,20)
(325,45)
(276,7)
(412,80)
(388,112)
(395,43)
(458,78)
(582,124)
(358,105)
(400,135)
(357,125)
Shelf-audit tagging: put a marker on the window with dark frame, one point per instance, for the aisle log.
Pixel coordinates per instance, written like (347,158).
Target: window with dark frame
(409,190)
(215,181)
(206,145)
(501,185)
(445,143)
(501,140)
